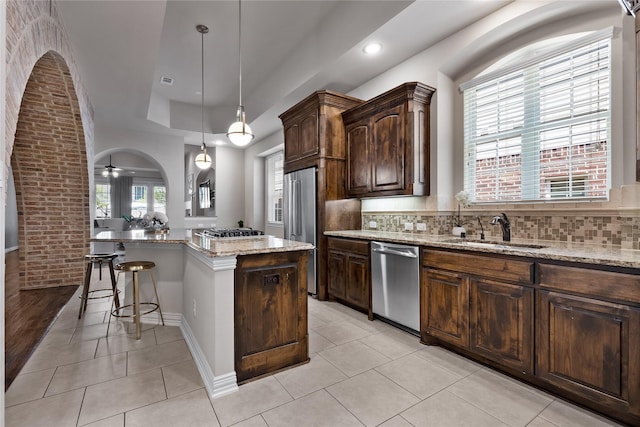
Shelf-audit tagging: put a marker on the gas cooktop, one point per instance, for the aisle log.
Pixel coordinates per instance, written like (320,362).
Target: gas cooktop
(230,232)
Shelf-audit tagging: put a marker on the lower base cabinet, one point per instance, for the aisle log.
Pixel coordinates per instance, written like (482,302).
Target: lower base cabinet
(585,320)
(349,272)
(588,347)
(501,322)
(491,318)
(270,313)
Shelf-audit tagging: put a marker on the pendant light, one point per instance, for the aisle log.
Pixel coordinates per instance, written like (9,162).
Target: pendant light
(203,160)
(110,170)
(239,132)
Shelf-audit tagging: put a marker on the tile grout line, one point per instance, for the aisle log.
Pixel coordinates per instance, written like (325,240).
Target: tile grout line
(81,405)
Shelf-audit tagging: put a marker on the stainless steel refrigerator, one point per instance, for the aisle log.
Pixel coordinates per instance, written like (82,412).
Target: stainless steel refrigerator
(300,215)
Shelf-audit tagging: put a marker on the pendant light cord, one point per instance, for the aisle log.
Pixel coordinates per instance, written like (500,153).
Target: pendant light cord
(202,91)
(202,29)
(240,54)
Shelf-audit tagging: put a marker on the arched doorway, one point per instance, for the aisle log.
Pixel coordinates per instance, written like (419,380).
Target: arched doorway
(49,164)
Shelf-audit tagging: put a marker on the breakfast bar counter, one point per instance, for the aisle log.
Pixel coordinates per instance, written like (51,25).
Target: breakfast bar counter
(240,302)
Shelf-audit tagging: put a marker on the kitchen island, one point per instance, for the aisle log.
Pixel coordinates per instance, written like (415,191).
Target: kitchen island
(241,303)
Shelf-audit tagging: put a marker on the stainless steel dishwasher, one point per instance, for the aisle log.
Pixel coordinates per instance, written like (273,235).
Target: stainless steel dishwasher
(395,284)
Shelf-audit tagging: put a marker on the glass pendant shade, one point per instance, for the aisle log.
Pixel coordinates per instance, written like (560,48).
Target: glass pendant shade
(239,132)
(203,160)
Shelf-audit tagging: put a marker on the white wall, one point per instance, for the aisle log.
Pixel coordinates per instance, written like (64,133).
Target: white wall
(255,188)
(230,184)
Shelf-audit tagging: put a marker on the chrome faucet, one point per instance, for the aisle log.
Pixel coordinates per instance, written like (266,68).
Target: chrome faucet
(505,224)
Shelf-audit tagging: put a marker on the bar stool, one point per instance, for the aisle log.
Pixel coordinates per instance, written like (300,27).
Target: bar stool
(135,267)
(99,259)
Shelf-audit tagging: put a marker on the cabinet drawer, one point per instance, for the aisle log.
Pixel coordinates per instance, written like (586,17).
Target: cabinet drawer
(593,283)
(352,246)
(498,268)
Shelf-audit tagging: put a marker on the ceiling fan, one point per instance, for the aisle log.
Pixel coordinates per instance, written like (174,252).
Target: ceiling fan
(111,170)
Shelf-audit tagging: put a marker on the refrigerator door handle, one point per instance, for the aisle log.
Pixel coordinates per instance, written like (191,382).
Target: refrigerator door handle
(290,216)
(297,208)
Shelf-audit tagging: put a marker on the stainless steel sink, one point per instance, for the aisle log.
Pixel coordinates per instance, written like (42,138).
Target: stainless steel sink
(493,244)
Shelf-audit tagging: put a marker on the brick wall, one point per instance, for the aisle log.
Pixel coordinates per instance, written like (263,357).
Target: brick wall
(49,137)
(588,163)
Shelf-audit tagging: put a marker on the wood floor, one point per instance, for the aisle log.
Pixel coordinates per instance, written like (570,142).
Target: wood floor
(28,315)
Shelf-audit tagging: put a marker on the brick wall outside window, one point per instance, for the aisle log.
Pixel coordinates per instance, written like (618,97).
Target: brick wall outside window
(589,163)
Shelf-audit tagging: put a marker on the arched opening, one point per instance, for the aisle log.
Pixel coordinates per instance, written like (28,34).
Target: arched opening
(49,163)
(140,187)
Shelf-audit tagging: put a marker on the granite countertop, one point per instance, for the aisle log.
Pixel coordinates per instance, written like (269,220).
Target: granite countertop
(541,249)
(208,246)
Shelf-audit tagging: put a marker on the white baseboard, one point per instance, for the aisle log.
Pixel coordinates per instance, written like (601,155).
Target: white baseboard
(216,386)
(170,319)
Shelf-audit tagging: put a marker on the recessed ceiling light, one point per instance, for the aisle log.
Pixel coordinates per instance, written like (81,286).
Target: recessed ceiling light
(372,48)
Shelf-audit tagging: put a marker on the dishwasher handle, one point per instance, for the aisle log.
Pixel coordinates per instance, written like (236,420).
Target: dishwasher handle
(387,251)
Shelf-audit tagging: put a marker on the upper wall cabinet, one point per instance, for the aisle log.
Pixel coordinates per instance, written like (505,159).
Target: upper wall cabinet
(313,129)
(387,143)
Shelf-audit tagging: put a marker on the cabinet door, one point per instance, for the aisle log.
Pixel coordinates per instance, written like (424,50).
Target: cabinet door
(501,323)
(387,150)
(358,168)
(291,142)
(590,348)
(308,143)
(270,313)
(358,283)
(336,274)
(445,306)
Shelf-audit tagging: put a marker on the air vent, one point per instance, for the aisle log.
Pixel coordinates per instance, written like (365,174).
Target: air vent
(166,81)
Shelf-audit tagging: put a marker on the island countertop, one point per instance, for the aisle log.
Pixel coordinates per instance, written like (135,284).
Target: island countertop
(212,247)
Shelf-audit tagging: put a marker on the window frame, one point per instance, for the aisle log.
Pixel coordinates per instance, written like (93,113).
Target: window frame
(271,181)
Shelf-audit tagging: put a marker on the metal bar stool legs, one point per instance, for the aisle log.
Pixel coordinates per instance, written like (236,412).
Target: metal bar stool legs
(98,259)
(135,267)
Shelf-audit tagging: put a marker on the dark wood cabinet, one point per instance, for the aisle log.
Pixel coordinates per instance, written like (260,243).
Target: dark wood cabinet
(270,313)
(313,129)
(479,303)
(387,143)
(501,322)
(588,337)
(590,348)
(314,137)
(445,299)
(336,273)
(349,272)
(571,328)
(302,137)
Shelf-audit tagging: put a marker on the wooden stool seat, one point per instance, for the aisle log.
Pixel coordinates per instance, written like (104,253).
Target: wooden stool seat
(99,259)
(135,267)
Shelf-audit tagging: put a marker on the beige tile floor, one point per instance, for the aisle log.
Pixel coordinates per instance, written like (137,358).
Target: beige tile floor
(361,373)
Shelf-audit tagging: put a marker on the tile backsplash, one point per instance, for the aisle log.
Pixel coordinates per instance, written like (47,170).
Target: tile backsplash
(606,230)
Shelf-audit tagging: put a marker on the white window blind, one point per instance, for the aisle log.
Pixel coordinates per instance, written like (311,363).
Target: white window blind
(540,130)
